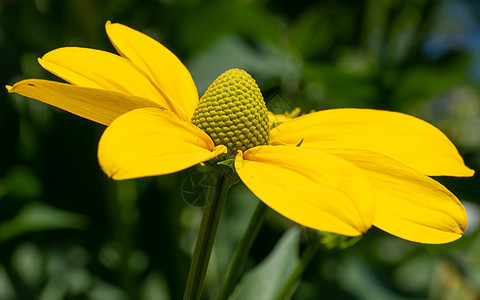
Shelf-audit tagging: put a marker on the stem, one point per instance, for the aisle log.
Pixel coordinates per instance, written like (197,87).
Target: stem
(289,287)
(241,252)
(206,236)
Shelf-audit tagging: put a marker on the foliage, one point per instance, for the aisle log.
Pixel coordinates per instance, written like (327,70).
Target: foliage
(68,232)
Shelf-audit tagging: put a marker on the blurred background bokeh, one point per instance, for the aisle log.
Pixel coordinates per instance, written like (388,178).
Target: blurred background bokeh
(68,232)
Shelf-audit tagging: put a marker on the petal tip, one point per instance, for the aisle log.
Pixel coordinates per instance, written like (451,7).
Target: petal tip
(108,26)
(461,171)
(452,238)
(113,176)
(41,60)
(360,233)
(9,88)
(469,172)
(224,148)
(219,149)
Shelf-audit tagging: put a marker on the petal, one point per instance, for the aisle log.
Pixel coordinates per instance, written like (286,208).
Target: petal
(101,106)
(101,70)
(410,205)
(149,142)
(163,67)
(314,189)
(407,139)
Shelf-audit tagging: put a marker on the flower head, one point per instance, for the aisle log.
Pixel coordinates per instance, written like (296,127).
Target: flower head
(232,112)
(340,170)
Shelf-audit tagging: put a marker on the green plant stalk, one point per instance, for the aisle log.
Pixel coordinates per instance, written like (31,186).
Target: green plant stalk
(242,250)
(289,287)
(206,236)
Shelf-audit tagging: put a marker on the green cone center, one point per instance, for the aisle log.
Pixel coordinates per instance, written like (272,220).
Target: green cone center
(233,113)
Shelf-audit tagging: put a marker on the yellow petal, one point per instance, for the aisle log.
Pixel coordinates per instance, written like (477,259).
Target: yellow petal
(407,139)
(149,142)
(410,205)
(314,189)
(163,67)
(101,106)
(101,70)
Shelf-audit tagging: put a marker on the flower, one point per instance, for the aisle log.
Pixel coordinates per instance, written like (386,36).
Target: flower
(339,170)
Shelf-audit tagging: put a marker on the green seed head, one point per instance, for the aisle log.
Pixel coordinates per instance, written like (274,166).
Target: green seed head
(232,112)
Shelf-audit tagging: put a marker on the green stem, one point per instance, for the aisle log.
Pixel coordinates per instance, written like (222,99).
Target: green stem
(289,287)
(206,236)
(241,252)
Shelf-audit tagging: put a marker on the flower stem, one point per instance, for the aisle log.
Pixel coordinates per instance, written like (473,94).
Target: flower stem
(206,236)
(241,252)
(289,287)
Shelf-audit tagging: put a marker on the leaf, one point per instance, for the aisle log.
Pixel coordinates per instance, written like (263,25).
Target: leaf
(339,87)
(357,278)
(266,280)
(265,62)
(424,81)
(21,182)
(39,217)
(210,21)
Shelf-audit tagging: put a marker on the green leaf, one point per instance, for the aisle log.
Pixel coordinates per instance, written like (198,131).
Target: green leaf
(229,163)
(20,182)
(38,217)
(266,61)
(421,82)
(339,87)
(266,280)
(208,22)
(357,277)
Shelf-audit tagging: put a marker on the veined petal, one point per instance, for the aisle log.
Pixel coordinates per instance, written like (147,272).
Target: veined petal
(101,70)
(149,142)
(407,139)
(101,106)
(410,205)
(163,67)
(314,189)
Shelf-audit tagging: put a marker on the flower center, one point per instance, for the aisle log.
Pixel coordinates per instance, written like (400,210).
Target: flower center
(232,112)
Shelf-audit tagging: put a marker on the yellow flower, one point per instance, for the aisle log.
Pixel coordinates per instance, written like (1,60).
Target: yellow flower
(354,167)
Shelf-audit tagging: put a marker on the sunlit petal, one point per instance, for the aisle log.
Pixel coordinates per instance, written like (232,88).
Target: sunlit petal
(407,139)
(102,70)
(311,188)
(409,204)
(101,106)
(164,68)
(149,142)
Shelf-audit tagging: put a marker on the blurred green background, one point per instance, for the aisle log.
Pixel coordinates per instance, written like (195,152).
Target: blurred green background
(68,232)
